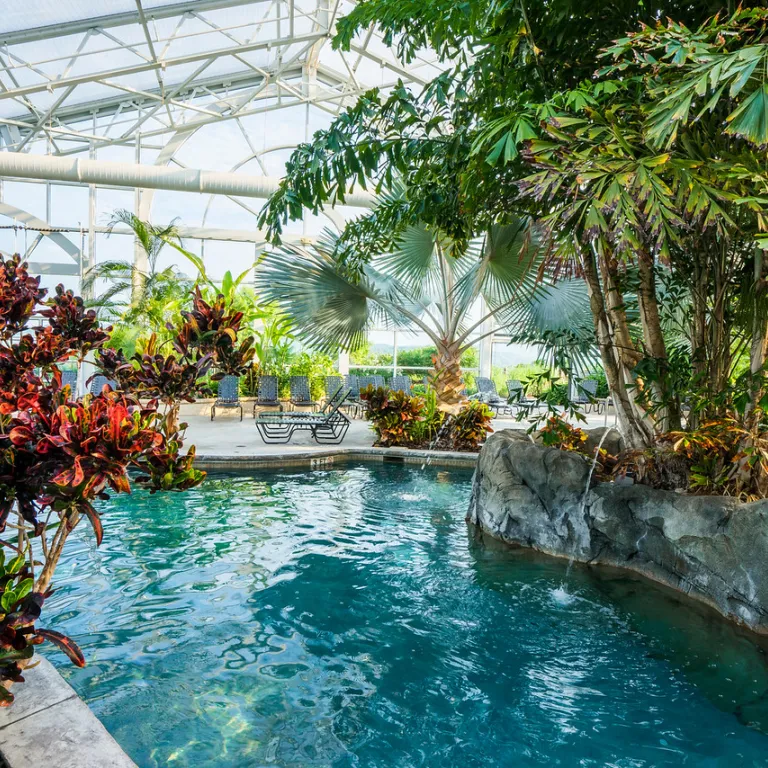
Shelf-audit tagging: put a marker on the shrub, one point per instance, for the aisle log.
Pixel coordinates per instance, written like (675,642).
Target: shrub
(427,429)
(415,422)
(393,414)
(59,455)
(470,426)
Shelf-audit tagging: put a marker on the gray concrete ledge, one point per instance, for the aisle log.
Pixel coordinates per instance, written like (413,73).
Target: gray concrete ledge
(316,459)
(50,726)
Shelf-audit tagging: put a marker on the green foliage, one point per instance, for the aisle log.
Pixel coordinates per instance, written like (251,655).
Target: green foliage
(140,301)
(392,414)
(416,422)
(470,426)
(425,430)
(316,366)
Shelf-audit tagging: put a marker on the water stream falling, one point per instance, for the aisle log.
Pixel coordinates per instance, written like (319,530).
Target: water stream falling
(564,587)
(434,442)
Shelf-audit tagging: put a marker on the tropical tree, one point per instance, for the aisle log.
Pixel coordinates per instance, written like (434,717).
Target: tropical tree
(453,294)
(653,163)
(141,295)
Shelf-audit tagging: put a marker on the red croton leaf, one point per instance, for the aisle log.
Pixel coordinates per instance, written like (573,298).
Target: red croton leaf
(95,520)
(65,644)
(20,435)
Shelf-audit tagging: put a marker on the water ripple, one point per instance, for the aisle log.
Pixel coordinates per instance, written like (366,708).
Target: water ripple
(349,618)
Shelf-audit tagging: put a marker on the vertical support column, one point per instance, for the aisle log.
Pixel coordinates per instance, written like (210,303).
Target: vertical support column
(91,214)
(140,258)
(394,353)
(343,363)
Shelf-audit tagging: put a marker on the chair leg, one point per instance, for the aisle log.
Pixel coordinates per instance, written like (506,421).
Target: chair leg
(241,412)
(213,412)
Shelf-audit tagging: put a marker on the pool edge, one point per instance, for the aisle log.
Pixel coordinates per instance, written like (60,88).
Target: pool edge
(50,725)
(316,459)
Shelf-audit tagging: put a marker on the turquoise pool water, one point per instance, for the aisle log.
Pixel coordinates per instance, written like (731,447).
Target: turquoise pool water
(349,617)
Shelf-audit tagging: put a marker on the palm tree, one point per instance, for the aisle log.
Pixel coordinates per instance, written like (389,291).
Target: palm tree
(453,295)
(155,294)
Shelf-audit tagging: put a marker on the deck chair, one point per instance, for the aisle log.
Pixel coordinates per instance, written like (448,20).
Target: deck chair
(266,394)
(228,395)
(301,397)
(98,382)
(329,426)
(365,381)
(487,393)
(351,404)
(586,395)
(352,384)
(331,385)
(401,384)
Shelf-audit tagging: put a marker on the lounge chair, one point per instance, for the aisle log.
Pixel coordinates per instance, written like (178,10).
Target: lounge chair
(487,393)
(401,384)
(98,382)
(586,395)
(365,381)
(327,427)
(353,402)
(331,385)
(301,397)
(266,394)
(228,395)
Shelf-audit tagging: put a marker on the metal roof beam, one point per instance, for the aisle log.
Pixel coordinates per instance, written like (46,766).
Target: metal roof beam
(118,20)
(64,82)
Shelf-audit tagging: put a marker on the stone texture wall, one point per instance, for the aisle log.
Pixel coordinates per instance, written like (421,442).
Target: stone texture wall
(714,549)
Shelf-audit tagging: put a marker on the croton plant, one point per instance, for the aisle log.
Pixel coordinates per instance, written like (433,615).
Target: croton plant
(60,455)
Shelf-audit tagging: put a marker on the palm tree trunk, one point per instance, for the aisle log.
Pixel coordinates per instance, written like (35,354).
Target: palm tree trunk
(446,378)
(759,346)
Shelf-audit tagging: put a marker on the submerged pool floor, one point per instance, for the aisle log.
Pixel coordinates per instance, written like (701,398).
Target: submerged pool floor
(350,617)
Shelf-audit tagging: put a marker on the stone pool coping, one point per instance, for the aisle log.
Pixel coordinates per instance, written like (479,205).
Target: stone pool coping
(315,459)
(50,725)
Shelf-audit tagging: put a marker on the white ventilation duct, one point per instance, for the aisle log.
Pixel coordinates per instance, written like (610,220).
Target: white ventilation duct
(49,168)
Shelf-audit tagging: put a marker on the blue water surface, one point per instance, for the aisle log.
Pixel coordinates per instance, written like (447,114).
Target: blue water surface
(350,617)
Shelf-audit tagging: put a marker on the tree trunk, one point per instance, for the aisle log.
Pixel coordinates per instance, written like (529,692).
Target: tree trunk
(637,433)
(446,378)
(759,346)
(628,355)
(654,342)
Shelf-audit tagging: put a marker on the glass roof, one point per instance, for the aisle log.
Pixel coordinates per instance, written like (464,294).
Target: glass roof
(74,78)
(23,15)
(229,85)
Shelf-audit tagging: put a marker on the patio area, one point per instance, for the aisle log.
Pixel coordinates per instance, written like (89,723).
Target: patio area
(228,436)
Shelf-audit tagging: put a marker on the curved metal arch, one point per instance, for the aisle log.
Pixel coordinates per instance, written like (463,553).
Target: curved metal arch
(33,222)
(331,214)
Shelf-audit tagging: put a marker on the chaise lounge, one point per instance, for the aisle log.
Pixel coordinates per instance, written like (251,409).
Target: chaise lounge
(329,426)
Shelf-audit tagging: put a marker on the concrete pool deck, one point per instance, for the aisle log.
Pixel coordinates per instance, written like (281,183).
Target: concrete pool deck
(228,436)
(50,726)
